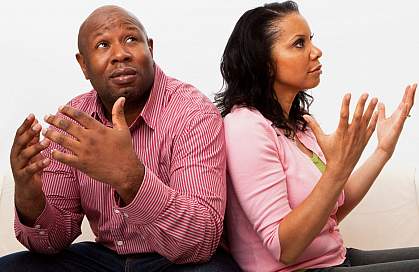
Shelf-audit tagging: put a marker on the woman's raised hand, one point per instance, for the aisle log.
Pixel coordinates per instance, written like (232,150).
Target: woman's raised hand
(389,129)
(344,147)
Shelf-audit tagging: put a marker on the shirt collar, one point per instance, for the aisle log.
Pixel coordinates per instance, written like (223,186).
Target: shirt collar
(152,108)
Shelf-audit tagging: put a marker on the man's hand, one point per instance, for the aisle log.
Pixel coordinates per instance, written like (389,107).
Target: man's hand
(27,164)
(102,153)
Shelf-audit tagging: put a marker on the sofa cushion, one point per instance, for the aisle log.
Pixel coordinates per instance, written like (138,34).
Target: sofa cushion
(388,216)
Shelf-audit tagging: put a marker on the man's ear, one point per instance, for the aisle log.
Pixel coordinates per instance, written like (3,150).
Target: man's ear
(82,63)
(150,46)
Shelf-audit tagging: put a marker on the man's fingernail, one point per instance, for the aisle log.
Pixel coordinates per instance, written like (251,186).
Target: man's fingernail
(60,108)
(44,142)
(29,116)
(47,116)
(44,131)
(36,127)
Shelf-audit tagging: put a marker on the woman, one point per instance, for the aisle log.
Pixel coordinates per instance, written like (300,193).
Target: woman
(289,183)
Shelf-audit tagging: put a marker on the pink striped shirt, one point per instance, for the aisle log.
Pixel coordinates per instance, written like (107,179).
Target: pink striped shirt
(179,209)
(269,176)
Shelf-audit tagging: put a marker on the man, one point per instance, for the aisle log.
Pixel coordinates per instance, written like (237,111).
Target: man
(141,155)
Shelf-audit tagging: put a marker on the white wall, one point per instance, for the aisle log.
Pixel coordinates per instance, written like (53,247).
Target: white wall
(367,45)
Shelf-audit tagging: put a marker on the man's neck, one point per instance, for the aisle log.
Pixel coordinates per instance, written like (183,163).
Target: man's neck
(130,115)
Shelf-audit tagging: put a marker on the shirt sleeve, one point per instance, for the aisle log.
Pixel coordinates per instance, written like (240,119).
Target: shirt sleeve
(60,222)
(183,220)
(257,175)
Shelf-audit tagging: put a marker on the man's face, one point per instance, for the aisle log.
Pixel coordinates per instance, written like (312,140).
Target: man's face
(117,58)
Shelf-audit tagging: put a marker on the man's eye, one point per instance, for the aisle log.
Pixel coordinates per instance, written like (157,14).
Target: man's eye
(131,39)
(102,45)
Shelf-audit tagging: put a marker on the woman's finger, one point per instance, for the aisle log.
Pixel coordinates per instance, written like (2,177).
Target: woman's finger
(359,110)
(344,112)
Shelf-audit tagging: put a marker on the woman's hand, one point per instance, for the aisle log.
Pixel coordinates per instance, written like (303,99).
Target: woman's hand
(344,147)
(389,129)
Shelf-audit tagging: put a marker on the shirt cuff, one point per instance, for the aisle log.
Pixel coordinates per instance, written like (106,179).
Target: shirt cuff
(151,200)
(42,223)
(38,233)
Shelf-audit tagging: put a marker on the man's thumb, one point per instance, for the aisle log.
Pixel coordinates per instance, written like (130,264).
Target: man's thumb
(118,116)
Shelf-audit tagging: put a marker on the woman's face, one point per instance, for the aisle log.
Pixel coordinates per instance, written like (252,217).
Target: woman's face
(295,56)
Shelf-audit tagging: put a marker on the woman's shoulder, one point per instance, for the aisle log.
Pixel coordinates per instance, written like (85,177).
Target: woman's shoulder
(240,116)
(248,123)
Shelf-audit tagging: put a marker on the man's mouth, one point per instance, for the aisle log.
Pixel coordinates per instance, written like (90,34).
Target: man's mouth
(122,76)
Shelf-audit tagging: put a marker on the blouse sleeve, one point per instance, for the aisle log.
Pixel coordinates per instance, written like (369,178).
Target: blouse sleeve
(257,175)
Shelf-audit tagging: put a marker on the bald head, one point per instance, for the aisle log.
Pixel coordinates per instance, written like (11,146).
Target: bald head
(100,16)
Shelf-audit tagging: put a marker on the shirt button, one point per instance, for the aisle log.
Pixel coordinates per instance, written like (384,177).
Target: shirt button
(37,226)
(119,243)
(42,232)
(116,211)
(126,215)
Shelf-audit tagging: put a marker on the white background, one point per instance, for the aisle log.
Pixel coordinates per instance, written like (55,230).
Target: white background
(367,46)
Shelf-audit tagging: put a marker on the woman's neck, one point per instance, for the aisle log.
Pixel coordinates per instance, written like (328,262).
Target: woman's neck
(285,98)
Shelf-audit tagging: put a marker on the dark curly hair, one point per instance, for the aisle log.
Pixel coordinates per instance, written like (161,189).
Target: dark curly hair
(249,71)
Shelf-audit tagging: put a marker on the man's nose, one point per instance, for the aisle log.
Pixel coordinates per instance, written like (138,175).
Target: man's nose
(120,54)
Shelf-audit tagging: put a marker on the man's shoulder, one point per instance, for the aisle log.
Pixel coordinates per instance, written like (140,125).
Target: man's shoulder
(84,102)
(187,98)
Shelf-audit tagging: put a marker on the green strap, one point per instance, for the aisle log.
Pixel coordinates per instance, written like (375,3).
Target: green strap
(318,162)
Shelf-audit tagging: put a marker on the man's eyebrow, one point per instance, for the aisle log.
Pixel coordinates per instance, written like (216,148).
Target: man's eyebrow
(104,30)
(133,27)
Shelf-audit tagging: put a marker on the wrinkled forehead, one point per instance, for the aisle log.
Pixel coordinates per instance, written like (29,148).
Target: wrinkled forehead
(107,20)
(103,20)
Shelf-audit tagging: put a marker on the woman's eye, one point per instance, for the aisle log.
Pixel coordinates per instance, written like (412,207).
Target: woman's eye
(299,43)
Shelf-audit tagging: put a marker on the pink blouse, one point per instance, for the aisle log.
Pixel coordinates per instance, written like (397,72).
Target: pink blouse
(268,176)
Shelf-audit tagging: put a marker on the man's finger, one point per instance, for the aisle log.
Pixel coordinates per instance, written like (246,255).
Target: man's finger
(27,123)
(22,141)
(35,167)
(30,152)
(118,115)
(66,125)
(68,159)
(35,138)
(81,117)
(63,140)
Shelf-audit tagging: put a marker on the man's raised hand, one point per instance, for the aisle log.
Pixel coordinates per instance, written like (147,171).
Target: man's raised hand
(103,153)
